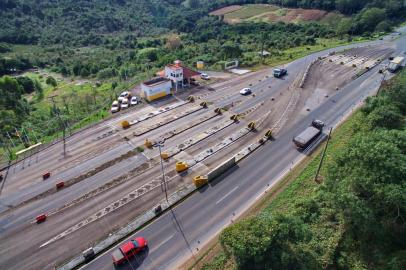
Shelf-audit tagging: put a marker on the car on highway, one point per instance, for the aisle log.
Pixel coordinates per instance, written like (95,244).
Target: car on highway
(245,91)
(128,250)
(279,72)
(123,95)
(134,101)
(205,76)
(124,103)
(115,107)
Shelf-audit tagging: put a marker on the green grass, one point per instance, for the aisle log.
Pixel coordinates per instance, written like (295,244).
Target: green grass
(302,186)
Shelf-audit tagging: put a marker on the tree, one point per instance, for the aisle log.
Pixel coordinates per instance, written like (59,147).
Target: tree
(268,243)
(383,27)
(344,27)
(230,50)
(27,84)
(192,4)
(371,17)
(368,183)
(51,81)
(173,42)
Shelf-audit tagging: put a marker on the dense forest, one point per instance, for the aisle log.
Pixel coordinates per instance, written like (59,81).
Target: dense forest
(355,219)
(84,22)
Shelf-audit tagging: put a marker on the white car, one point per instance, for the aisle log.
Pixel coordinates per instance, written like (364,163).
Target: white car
(245,91)
(115,107)
(123,96)
(124,103)
(133,101)
(204,76)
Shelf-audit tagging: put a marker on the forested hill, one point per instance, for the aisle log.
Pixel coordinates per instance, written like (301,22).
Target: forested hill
(87,22)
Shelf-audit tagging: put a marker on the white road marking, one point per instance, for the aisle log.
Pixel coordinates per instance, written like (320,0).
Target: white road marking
(228,194)
(162,243)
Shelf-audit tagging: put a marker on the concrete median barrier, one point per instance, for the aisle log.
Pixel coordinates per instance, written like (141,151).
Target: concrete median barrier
(223,167)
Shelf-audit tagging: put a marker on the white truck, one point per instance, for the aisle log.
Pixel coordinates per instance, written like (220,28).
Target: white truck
(396,63)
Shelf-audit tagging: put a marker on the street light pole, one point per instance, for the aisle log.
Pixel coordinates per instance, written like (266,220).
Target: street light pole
(160,144)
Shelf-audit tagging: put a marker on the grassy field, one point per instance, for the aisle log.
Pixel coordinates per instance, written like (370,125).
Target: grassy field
(248,11)
(298,184)
(271,13)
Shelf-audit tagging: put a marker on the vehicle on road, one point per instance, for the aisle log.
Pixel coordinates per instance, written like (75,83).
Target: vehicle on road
(204,76)
(124,104)
(123,95)
(396,63)
(115,107)
(279,72)
(134,101)
(245,91)
(304,139)
(128,250)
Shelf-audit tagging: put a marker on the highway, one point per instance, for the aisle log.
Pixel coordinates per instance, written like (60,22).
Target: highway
(176,235)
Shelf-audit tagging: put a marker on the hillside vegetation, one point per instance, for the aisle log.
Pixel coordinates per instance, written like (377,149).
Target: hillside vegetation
(354,219)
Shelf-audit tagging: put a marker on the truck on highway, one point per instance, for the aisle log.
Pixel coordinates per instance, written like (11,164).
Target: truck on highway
(396,63)
(279,72)
(304,139)
(128,250)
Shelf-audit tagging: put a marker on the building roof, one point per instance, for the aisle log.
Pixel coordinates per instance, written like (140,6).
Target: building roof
(156,81)
(188,73)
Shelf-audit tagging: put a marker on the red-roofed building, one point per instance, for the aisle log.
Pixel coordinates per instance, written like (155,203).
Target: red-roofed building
(178,74)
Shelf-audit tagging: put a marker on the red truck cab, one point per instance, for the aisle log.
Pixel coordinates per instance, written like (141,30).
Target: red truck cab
(128,250)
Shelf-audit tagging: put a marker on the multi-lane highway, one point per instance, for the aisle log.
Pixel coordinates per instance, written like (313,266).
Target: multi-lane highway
(178,234)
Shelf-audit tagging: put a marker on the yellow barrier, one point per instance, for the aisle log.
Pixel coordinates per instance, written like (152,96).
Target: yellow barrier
(148,143)
(125,124)
(234,117)
(268,133)
(203,104)
(251,125)
(218,110)
(165,155)
(200,180)
(181,166)
(191,99)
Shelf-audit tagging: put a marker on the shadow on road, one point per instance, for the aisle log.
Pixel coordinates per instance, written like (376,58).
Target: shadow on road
(136,261)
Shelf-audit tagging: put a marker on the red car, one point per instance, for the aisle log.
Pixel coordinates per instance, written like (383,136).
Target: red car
(128,250)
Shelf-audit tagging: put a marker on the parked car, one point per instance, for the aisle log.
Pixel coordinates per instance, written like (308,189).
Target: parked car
(123,96)
(205,76)
(134,101)
(245,91)
(115,107)
(128,250)
(124,103)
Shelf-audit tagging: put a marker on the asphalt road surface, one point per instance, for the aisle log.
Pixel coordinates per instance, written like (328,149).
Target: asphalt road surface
(177,234)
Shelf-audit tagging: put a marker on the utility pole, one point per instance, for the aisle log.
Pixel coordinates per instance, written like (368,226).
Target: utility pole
(159,145)
(63,124)
(322,157)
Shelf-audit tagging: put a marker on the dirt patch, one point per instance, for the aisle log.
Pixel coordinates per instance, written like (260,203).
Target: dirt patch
(225,10)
